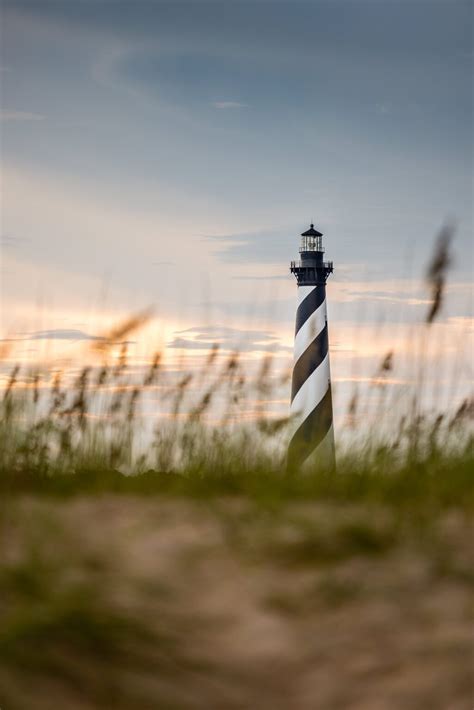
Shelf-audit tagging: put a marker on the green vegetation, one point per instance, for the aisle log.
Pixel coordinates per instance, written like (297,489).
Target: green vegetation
(80,438)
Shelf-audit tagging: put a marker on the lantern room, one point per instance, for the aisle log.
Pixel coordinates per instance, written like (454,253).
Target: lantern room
(311,240)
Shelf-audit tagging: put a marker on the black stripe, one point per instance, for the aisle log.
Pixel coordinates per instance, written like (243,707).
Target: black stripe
(311,432)
(308,305)
(309,361)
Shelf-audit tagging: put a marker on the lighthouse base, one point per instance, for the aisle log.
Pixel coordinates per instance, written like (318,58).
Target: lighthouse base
(323,458)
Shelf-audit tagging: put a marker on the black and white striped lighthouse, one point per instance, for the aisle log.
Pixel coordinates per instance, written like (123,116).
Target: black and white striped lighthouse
(312,442)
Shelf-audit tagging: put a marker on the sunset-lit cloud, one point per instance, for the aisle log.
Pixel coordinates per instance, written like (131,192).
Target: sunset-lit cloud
(57,334)
(233,339)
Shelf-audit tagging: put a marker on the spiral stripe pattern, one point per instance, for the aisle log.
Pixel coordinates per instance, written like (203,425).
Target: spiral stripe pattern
(312,443)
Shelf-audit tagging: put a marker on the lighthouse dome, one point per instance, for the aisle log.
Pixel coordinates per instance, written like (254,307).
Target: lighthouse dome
(311,232)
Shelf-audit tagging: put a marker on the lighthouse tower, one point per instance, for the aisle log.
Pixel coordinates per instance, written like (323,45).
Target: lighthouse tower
(312,443)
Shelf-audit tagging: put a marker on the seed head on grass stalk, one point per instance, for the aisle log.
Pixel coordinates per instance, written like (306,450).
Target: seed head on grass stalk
(79,404)
(204,404)
(122,361)
(181,389)
(352,410)
(465,412)
(385,367)
(225,376)
(264,385)
(132,404)
(12,380)
(240,389)
(152,374)
(270,427)
(214,351)
(400,433)
(8,405)
(380,382)
(35,388)
(437,269)
(120,332)
(116,402)
(433,434)
(235,383)
(101,377)
(58,396)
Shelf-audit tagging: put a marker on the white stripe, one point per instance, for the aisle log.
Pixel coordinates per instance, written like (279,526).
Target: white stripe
(304,291)
(310,329)
(310,393)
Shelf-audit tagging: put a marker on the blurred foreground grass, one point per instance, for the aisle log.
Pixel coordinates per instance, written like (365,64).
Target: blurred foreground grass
(219,602)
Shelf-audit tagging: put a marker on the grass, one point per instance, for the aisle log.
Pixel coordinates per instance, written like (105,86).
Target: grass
(81,438)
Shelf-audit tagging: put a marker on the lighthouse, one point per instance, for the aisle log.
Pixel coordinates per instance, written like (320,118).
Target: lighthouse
(312,442)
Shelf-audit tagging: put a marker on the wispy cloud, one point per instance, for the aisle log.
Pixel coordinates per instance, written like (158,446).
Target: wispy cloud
(390,296)
(204,338)
(225,332)
(228,104)
(275,277)
(8,115)
(56,334)
(262,246)
(62,334)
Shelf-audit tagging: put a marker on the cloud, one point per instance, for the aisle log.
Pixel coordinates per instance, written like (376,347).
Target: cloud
(7,116)
(62,334)
(227,333)
(390,296)
(71,334)
(56,334)
(189,344)
(228,104)
(204,338)
(275,277)
(264,246)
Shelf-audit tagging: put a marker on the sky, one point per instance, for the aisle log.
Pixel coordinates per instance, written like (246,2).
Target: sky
(168,154)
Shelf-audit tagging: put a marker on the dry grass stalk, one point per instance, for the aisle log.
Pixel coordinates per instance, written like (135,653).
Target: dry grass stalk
(352,410)
(465,412)
(384,368)
(13,379)
(437,269)
(151,375)
(122,330)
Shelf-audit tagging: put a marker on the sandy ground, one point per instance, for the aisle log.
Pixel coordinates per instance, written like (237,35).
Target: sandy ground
(118,602)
